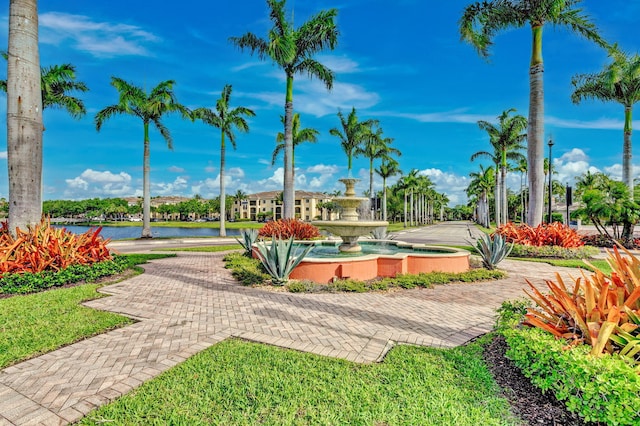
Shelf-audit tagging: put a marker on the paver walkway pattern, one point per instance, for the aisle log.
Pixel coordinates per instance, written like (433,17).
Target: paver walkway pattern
(188,303)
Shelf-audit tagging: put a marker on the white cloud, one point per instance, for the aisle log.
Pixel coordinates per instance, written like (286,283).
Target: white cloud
(323,169)
(451,184)
(454,116)
(3,155)
(102,39)
(176,169)
(576,154)
(600,124)
(92,183)
(248,65)
(313,98)
(273,182)
(339,64)
(177,187)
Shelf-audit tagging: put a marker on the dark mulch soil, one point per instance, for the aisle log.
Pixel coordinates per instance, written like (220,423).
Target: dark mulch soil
(527,401)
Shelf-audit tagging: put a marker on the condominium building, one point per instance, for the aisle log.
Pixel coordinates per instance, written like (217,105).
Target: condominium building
(268,205)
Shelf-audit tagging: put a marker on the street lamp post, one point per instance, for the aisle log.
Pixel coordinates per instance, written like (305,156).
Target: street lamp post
(550,180)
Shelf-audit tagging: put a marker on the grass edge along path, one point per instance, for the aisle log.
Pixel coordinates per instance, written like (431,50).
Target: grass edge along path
(36,323)
(240,383)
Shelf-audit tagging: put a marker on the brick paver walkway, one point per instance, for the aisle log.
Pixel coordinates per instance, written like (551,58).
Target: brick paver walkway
(188,303)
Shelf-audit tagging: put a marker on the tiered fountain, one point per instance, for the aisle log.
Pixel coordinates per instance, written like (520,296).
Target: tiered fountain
(379,259)
(349,227)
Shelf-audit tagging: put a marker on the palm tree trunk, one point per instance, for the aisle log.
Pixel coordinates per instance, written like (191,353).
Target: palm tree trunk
(627,172)
(405,208)
(535,131)
(384,199)
(24,116)
(146,187)
(503,195)
(371,194)
(496,199)
(412,206)
(223,204)
(288,193)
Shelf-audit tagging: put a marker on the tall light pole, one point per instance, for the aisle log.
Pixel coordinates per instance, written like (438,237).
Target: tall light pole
(550,179)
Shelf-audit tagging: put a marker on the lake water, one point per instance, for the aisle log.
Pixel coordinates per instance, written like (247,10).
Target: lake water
(122,232)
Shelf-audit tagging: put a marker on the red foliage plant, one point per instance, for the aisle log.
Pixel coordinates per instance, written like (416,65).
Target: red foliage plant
(43,247)
(554,234)
(286,228)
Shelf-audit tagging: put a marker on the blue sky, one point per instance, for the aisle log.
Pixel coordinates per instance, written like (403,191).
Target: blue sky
(400,62)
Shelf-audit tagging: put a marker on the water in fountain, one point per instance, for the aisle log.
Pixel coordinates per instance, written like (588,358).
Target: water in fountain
(349,228)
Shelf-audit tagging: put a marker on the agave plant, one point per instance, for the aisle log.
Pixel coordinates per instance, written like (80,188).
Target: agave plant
(493,250)
(249,237)
(281,258)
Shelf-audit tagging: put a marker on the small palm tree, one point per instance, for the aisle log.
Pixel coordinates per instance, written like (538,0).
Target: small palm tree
(352,133)
(388,168)
(482,20)
(224,119)
(480,186)
(293,50)
(618,82)
(150,108)
(375,147)
(299,136)
(507,141)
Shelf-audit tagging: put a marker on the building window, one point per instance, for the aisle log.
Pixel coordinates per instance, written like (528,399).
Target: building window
(298,202)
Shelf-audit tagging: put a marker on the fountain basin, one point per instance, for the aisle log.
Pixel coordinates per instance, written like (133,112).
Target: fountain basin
(395,257)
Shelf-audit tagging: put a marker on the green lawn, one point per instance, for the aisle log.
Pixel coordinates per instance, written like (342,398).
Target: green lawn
(33,324)
(573,263)
(207,249)
(241,383)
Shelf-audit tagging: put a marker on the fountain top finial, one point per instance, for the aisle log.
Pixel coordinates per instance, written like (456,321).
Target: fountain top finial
(349,184)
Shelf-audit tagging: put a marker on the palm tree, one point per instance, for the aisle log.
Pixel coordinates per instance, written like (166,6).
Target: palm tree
(409,184)
(521,167)
(374,147)
(480,185)
(224,119)
(481,21)
(24,116)
(299,136)
(388,168)
(618,82)
(352,134)
(56,83)
(149,108)
(506,139)
(292,49)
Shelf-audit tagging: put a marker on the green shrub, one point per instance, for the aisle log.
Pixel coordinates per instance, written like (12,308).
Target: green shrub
(349,285)
(512,312)
(29,282)
(599,389)
(585,252)
(303,286)
(247,270)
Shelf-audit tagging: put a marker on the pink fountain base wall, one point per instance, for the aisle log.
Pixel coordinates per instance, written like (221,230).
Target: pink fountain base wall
(372,266)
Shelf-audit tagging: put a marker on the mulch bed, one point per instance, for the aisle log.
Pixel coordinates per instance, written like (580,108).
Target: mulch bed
(527,401)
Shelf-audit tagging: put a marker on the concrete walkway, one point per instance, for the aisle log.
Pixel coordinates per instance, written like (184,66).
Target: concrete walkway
(188,303)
